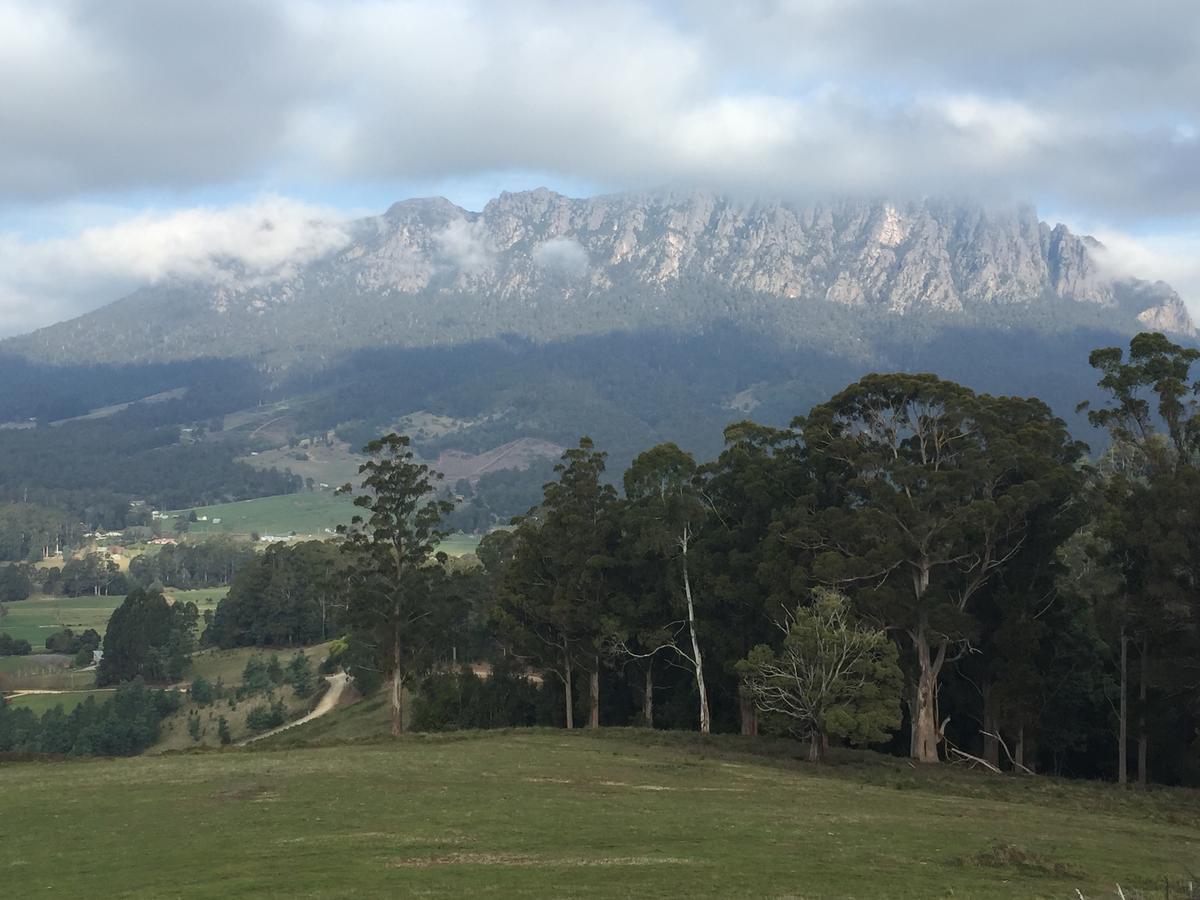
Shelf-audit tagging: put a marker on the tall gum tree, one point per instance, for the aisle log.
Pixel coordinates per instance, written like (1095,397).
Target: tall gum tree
(389,545)
(558,582)
(1152,413)
(932,489)
(664,518)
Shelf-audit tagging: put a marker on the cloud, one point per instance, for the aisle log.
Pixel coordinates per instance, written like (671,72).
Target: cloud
(1170,257)
(856,96)
(563,255)
(464,245)
(42,281)
(1091,111)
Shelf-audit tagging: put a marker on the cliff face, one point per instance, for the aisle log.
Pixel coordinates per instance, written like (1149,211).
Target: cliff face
(537,255)
(901,258)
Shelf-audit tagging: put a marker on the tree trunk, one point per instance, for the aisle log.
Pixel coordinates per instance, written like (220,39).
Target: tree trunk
(567,692)
(991,746)
(648,695)
(1020,754)
(1143,739)
(397,678)
(594,692)
(816,747)
(697,659)
(925,723)
(1122,716)
(749,712)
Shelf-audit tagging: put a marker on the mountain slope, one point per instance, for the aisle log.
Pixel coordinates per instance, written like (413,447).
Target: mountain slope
(547,267)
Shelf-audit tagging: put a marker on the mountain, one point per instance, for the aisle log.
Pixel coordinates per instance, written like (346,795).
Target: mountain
(546,267)
(634,318)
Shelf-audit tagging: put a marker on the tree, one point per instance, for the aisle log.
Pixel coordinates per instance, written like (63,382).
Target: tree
(832,676)
(761,473)
(147,638)
(558,582)
(663,520)
(932,488)
(300,675)
(15,583)
(1149,521)
(388,547)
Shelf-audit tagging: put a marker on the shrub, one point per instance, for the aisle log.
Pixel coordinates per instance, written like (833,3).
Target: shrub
(454,700)
(264,717)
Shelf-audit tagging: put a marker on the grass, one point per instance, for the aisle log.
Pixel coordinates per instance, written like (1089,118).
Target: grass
(228,665)
(39,617)
(314,515)
(534,813)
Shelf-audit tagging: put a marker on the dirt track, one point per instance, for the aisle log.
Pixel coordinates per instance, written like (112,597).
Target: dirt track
(337,685)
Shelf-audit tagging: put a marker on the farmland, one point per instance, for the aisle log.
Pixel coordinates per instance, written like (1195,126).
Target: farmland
(614,813)
(310,513)
(315,514)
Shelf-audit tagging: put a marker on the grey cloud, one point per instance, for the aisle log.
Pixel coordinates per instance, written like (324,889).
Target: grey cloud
(1089,105)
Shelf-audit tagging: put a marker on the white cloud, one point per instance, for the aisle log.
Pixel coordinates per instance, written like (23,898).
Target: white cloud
(45,280)
(1173,258)
(464,245)
(564,255)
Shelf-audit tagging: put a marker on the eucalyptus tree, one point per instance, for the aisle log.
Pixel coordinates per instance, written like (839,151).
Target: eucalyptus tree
(663,520)
(933,487)
(1149,527)
(558,582)
(390,545)
(760,473)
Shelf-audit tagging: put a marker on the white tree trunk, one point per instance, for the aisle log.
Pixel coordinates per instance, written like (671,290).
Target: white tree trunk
(697,659)
(568,700)
(648,695)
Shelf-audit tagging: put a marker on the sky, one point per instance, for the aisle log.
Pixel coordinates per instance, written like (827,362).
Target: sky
(141,141)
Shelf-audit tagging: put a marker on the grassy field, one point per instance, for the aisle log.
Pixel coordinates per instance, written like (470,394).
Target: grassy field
(303,513)
(39,617)
(549,813)
(314,515)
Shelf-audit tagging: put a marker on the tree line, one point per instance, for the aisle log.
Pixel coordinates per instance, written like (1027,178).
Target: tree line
(912,566)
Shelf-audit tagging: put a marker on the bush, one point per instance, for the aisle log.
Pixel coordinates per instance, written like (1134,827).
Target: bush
(202,692)
(10,646)
(255,678)
(300,675)
(194,727)
(223,731)
(453,700)
(264,717)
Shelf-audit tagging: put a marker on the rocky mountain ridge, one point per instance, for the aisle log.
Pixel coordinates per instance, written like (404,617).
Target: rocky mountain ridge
(428,272)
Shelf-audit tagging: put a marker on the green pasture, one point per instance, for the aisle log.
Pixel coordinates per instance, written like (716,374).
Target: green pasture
(547,813)
(304,514)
